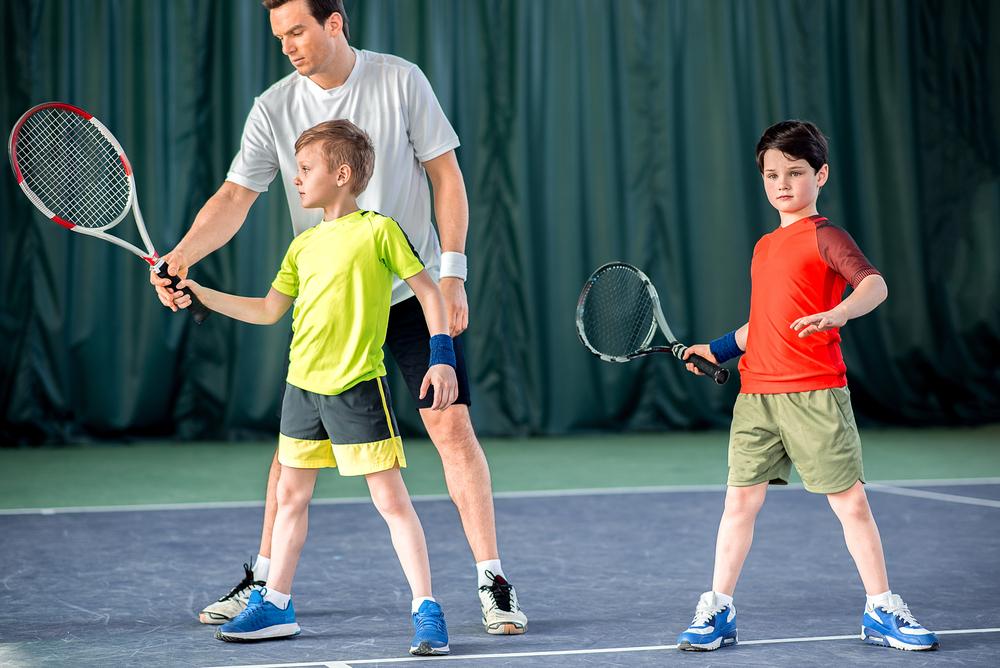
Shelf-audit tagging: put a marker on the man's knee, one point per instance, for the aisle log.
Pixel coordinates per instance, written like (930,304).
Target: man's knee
(451,429)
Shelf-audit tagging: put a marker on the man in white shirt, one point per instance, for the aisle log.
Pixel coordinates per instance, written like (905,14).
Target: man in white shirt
(393,102)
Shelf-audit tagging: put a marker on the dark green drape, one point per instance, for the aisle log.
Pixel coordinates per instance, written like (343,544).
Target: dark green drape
(591,130)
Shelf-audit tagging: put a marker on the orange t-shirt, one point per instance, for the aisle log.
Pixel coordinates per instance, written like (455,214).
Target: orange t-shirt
(796,271)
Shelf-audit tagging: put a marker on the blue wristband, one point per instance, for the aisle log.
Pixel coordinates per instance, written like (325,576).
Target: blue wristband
(724,348)
(442,350)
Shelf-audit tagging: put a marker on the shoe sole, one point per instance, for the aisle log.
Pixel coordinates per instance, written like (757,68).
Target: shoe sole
(213,619)
(879,640)
(276,632)
(425,649)
(504,628)
(718,643)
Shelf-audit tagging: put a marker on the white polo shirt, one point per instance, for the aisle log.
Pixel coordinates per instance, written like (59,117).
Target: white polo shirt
(391,100)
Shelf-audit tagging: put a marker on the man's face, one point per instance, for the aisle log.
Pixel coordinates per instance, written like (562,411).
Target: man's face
(309,45)
(317,185)
(791,184)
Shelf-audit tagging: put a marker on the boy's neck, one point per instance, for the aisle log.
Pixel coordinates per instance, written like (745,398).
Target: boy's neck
(787,218)
(340,208)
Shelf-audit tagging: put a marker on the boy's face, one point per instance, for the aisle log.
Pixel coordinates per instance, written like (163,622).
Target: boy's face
(791,183)
(317,185)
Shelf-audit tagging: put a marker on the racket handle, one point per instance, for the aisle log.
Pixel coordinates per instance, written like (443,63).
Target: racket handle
(197,310)
(713,371)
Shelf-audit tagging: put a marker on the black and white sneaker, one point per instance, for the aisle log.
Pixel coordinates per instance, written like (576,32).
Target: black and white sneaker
(501,613)
(232,604)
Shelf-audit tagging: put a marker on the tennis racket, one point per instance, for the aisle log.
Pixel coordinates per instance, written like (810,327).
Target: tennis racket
(618,314)
(75,172)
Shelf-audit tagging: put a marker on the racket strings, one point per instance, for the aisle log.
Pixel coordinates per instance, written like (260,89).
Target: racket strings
(73,169)
(617,313)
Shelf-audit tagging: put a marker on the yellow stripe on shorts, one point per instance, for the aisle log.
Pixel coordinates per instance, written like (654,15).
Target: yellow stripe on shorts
(385,407)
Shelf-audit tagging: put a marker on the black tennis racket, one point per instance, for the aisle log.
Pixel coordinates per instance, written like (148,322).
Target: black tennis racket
(618,315)
(75,172)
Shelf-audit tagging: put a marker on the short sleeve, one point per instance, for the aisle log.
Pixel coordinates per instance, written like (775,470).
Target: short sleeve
(394,248)
(429,130)
(287,280)
(842,255)
(256,164)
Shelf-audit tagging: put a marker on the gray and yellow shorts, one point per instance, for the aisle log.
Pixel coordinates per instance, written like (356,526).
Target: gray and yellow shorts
(354,431)
(813,430)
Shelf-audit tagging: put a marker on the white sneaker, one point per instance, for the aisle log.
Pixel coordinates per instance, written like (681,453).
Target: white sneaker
(232,604)
(501,613)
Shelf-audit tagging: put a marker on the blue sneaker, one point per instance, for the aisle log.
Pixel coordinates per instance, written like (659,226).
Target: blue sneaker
(892,625)
(430,633)
(713,626)
(260,620)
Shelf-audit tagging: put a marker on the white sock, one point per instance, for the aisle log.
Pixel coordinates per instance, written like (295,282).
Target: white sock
(878,599)
(491,565)
(260,567)
(417,601)
(723,599)
(277,598)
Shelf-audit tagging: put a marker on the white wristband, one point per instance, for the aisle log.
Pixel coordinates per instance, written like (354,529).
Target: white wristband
(454,265)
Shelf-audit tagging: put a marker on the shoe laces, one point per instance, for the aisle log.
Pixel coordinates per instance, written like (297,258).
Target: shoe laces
(897,608)
(708,607)
(244,584)
(430,622)
(500,590)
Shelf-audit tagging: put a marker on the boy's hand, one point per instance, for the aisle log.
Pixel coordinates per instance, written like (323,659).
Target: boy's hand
(177,265)
(456,304)
(442,378)
(699,349)
(820,322)
(181,300)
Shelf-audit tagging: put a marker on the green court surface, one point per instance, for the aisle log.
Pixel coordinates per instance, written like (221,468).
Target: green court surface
(157,473)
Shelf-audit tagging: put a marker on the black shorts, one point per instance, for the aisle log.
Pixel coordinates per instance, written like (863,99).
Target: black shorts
(409,343)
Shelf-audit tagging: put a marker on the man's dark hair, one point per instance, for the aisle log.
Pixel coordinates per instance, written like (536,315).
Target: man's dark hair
(800,140)
(320,9)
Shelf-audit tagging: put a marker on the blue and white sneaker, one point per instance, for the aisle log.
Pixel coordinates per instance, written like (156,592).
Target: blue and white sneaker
(892,625)
(713,626)
(430,633)
(260,620)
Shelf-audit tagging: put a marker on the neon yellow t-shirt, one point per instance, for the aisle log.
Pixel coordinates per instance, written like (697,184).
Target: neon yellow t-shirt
(340,275)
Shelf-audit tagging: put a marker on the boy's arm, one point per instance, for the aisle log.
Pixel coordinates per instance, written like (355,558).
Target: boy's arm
(254,310)
(441,368)
(871,292)
(705,349)
(218,220)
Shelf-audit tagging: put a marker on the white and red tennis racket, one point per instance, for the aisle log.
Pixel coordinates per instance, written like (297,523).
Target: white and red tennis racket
(75,172)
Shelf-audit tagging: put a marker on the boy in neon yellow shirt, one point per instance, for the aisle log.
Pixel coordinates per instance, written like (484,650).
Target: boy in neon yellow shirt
(336,410)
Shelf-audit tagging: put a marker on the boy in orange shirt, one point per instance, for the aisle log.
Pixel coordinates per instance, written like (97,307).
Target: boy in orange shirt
(794,406)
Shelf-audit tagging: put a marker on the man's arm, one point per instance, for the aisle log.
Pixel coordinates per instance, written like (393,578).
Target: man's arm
(451,208)
(216,223)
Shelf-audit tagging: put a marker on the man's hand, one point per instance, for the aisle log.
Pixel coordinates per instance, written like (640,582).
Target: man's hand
(177,265)
(699,349)
(442,378)
(456,304)
(820,322)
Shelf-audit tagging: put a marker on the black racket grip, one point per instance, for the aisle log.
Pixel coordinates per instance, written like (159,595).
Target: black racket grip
(713,371)
(197,310)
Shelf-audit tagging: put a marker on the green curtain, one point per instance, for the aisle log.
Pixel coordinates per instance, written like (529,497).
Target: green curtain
(591,131)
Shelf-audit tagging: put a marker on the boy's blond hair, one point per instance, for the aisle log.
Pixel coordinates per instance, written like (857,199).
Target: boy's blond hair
(343,143)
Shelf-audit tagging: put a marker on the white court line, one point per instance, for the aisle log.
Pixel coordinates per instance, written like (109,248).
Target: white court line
(527,494)
(935,496)
(570,652)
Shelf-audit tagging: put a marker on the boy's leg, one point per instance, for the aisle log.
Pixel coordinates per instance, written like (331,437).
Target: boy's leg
(862,536)
(732,545)
(291,524)
(392,501)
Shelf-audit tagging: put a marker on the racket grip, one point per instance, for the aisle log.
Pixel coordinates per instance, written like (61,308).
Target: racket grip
(197,310)
(713,371)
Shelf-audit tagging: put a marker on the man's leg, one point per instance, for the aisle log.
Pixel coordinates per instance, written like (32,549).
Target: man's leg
(270,506)
(467,475)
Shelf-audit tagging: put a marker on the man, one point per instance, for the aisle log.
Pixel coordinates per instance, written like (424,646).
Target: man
(391,100)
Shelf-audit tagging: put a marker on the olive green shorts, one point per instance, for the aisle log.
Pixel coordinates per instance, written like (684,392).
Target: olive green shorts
(813,430)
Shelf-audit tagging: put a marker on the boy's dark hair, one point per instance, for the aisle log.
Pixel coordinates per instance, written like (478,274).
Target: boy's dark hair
(320,9)
(800,140)
(343,143)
